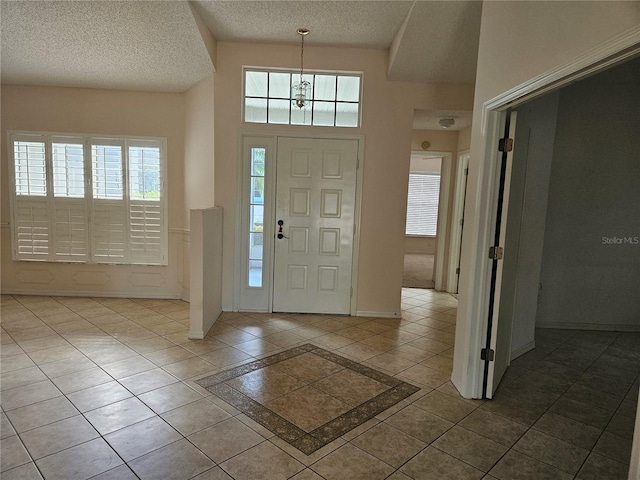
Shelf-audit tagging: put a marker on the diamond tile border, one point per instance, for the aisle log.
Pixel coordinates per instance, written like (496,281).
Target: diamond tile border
(307,442)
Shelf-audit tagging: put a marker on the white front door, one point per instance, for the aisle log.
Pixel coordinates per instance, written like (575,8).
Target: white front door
(315,215)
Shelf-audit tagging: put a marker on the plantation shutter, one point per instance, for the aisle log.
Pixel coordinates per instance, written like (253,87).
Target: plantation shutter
(146,216)
(31,225)
(109,225)
(88,199)
(422,204)
(70,214)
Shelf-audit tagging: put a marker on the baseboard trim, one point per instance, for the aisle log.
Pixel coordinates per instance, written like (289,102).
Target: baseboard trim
(522,350)
(362,313)
(64,293)
(590,326)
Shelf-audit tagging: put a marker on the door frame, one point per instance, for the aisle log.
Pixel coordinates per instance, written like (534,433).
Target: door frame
(468,371)
(270,186)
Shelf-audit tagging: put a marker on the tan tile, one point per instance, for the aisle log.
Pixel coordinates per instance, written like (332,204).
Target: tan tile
(412,353)
(28,471)
(151,345)
(74,382)
(167,398)
(389,444)
(350,387)
(238,438)
(569,430)
(598,467)
(58,436)
(19,378)
(497,428)
(433,464)
(13,453)
(15,362)
(98,396)
(471,448)
(73,364)
(515,465)
(425,376)
(141,438)
(350,462)
(308,408)
(128,367)
(50,341)
(304,458)
(28,394)
(6,429)
(169,355)
(118,415)
(82,461)
(359,351)
(262,462)
(189,368)
(306,474)
(307,367)
(195,416)
(419,424)
(445,406)
(176,461)
(614,446)
(215,473)
(552,451)
(147,381)
(123,472)
(225,357)
(201,347)
(265,384)
(42,413)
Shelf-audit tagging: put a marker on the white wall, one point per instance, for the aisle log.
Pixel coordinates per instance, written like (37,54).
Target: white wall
(518,42)
(107,112)
(387,116)
(594,195)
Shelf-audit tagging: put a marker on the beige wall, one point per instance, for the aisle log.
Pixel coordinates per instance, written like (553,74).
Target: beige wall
(518,41)
(387,116)
(199,146)
(106,112)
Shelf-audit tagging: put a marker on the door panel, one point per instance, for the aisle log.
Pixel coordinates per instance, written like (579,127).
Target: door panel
(499,335)
(315,200)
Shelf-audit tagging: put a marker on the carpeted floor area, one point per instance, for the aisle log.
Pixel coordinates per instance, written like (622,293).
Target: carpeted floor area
(418,271)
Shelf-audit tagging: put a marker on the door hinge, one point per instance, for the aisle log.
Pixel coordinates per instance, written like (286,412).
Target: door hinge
(487,354)
(505,145)
(458,271)
(462,221)
(495,253)
(466,171)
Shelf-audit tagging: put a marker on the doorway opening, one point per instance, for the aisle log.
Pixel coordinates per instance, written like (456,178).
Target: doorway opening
(427,202)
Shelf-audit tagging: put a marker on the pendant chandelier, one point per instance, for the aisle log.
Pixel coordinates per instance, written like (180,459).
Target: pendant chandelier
(301,90)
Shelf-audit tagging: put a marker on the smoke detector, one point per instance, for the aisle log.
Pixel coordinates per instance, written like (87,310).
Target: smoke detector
(447,122)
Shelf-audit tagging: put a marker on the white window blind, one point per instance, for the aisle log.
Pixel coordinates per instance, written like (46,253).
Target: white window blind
(422,204)
(88,199)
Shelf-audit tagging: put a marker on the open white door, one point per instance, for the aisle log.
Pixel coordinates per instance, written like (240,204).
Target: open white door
(315,213)
(497,351)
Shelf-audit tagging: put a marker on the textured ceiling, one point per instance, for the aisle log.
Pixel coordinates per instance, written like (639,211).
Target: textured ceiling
(156,45)
(370,24)
(102,44)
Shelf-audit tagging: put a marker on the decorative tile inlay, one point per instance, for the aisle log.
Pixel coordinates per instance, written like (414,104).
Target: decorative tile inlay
(221,384)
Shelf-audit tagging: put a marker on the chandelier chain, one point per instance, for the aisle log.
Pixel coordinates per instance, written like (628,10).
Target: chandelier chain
(301,57)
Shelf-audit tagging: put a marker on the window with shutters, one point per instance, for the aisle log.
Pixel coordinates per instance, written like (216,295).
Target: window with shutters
(422,204)
(90,199)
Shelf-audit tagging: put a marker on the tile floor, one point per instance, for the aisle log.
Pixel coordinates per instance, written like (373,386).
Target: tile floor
(106,389)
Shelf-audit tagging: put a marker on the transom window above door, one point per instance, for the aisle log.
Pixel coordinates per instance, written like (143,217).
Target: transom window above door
(334,99)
